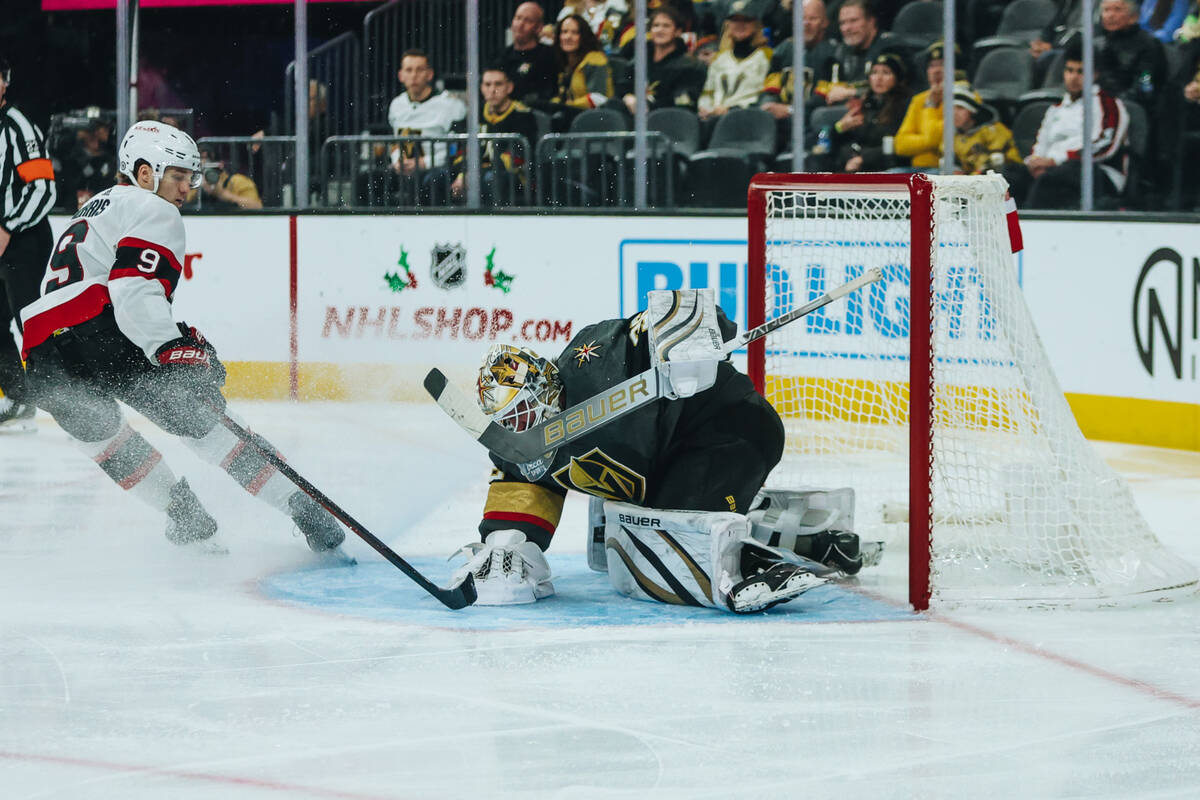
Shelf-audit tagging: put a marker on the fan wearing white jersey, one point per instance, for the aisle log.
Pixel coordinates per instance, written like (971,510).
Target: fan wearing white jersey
(102,331)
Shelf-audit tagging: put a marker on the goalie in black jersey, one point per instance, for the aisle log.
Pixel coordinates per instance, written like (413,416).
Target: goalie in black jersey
(671,481)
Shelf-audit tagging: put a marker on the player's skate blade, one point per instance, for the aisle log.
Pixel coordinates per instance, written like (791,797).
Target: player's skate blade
(776,584)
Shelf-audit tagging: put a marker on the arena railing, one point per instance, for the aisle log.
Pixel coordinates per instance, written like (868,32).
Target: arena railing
(334,89)
(266,160)
(597,169)
(358,171)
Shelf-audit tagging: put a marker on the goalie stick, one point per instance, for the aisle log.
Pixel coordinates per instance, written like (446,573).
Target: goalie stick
(459,597)
(601,409)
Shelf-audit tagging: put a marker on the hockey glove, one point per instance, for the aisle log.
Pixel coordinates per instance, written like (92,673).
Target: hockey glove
(192,354)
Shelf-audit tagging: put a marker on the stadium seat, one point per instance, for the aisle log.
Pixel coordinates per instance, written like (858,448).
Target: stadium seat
(1027,123)
(719,179)
(919,24)
(1024,20)
(825,117)
(749,132)
(1004,75)
(680,125)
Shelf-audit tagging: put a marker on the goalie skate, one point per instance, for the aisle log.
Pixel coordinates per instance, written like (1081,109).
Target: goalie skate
(508,570)
(768,581)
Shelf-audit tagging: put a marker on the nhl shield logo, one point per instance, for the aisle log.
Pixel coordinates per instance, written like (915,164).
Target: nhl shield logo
(449,270)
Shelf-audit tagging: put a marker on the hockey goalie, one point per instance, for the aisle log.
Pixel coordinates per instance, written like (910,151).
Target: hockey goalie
(676,511)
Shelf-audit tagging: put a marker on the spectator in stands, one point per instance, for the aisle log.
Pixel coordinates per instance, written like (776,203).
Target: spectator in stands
(778,89)
(606,18)
(1179,115)
(420,111)
(1132,61)
(860,45)
(92,161)
(736,76)
(861,141)
(1162,18)
(1055,163)
(920,135)
(674,79)
(223,190)
(584,75)
(502,164)
(530,63)
(981,141)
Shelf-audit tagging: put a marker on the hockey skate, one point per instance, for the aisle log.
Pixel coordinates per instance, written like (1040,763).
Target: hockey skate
(16,417)
(814,524)
(188,524)
(508,570)
(320,529)
(768,580)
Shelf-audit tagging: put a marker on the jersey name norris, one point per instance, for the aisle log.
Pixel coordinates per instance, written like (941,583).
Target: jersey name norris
(92,208)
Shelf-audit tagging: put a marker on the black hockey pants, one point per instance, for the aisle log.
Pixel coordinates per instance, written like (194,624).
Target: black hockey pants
(79,374)
(21,268)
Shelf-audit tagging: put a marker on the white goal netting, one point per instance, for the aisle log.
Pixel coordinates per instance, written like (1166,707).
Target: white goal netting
(1022,508)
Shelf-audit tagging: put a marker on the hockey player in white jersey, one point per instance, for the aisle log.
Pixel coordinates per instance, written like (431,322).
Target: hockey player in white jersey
(102,331)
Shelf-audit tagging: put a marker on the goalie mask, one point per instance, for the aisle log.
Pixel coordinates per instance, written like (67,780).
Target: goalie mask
(519,389)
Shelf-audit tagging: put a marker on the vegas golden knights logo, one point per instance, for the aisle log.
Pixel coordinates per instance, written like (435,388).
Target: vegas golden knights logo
(597,474)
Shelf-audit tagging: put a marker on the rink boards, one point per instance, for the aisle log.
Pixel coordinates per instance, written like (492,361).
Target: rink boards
(359,308)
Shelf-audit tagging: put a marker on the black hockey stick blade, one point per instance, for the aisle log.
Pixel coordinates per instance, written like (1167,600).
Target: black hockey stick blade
(460,596)
(529,445)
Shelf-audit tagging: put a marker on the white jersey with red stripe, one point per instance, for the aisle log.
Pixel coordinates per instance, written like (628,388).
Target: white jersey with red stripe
(123,249)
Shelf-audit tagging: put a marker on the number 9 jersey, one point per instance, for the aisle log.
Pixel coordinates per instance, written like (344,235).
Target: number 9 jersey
(123,250)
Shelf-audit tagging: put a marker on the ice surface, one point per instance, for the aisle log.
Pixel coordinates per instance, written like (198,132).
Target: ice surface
(132,669)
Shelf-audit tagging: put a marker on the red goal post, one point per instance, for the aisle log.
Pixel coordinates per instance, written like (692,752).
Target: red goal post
(953,432)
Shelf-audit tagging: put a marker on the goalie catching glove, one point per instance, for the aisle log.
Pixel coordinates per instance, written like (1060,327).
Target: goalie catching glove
(685,339)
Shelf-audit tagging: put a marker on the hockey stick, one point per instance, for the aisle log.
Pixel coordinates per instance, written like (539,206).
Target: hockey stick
(461,596)
(583,418)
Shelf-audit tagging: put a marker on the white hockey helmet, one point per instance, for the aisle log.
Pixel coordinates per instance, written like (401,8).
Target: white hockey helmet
(161,146)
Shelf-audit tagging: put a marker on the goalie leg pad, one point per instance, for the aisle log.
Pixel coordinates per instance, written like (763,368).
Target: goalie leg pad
(698,559)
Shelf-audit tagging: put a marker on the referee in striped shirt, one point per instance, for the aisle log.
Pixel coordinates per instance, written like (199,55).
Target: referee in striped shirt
(26,197)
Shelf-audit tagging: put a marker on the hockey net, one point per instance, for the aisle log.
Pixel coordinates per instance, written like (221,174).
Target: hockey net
(955,434)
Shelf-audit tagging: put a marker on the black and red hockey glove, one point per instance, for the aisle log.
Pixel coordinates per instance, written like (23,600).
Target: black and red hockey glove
(193,353)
